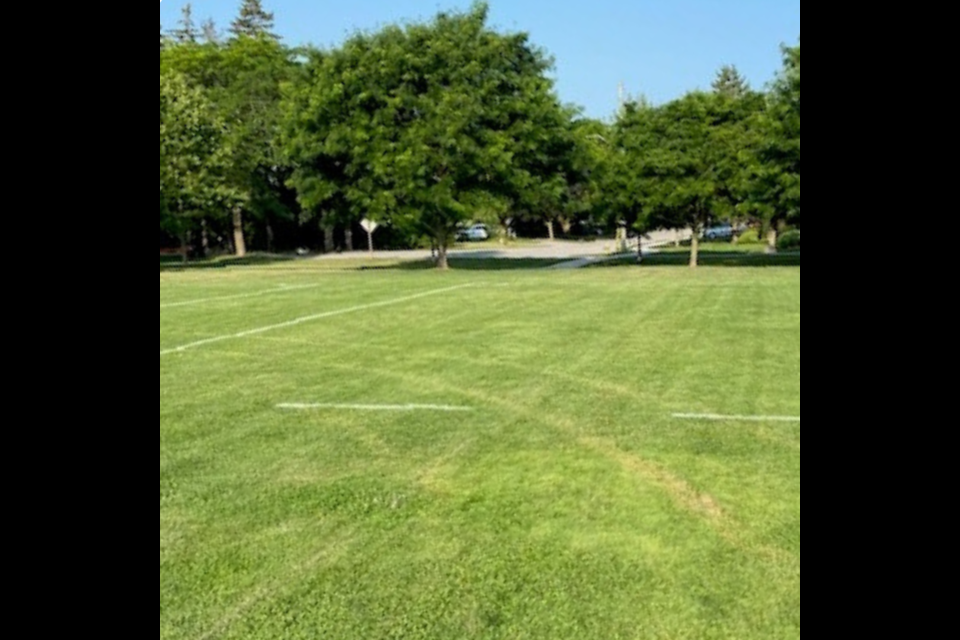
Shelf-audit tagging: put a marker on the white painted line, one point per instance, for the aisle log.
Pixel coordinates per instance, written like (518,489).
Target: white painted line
(719,418)
(373,407)
(255,294)
(299,321)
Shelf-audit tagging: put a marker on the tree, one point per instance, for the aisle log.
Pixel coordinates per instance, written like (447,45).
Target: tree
(681,164)
(210,33)
(730,83)
(421,127)
(193,158)
(242,78)
(621,180)
(253,21)
(186,31)
(593,159)
(775,180)
(252,70)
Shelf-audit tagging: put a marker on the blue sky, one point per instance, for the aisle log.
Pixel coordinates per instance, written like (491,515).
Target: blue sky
(659,48)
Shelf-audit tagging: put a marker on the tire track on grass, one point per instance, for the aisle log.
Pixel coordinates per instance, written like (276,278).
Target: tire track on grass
(685,496)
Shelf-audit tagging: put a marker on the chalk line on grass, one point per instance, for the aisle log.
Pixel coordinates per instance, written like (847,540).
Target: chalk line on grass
(720,418)
(372,407)
(239,296)
(299,321)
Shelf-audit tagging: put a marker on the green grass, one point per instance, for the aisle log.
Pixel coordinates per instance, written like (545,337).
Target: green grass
(709,258)
(568,504)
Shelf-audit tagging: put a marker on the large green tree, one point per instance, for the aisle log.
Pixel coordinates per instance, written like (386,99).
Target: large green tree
(252,70)
(424,126)
(591,164)
(681,166)
(194,159)
(243,79)
(775,180)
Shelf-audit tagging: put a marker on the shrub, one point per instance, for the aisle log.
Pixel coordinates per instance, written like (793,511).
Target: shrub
(750,236)
(790,241)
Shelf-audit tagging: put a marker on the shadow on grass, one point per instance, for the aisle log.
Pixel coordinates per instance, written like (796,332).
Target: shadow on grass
(707,259)
(176,263)
(480,264)
(459,263)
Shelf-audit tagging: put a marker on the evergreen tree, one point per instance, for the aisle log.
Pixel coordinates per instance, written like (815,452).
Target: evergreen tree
(186,31)
(253,21)
(210,33)
(731,83)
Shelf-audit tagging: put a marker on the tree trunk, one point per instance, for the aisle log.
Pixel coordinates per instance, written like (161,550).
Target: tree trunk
(329,245)
(370,242)
(678,239)
(443,263)
(270,238)
(204,239)
(348,238)
(239,243)
(695,248)
(184,248)
(772,237)
(553,234)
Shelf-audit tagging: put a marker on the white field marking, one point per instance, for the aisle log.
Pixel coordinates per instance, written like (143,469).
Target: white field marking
(255,294)
(299,321)
(372,407)
(719,418)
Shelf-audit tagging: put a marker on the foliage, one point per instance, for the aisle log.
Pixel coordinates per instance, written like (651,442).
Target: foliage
(775,182)
(432,125)
(730,83)
(194,157)
(789,241)
(749,237)
(425,126)
(242,77)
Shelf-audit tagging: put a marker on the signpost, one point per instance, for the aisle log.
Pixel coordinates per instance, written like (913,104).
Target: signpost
(369,226)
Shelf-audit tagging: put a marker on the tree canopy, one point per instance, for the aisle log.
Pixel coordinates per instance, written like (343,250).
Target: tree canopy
(194,157)
(433,125)
(423,126)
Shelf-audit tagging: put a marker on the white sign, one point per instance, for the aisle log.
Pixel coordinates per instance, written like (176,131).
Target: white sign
(369,225)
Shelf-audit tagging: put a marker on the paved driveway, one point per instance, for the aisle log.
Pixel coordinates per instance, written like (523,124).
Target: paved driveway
(546,250)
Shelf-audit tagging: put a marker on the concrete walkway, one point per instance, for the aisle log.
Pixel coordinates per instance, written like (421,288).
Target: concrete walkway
(648,249)
(580,263)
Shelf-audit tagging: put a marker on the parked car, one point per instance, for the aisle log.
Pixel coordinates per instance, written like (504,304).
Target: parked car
(478,233)
(723,232)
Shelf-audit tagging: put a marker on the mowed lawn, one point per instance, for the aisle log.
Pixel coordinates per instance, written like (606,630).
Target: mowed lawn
(562,501)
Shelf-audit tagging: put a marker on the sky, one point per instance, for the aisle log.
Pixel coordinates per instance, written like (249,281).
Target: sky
(657,48)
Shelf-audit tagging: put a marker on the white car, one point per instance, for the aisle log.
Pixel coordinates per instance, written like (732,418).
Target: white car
(478,232)
(723,232)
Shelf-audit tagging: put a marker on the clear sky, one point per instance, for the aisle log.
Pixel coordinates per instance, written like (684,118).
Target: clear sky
(658,48)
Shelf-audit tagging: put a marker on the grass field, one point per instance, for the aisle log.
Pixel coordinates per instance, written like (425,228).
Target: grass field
(561,500)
